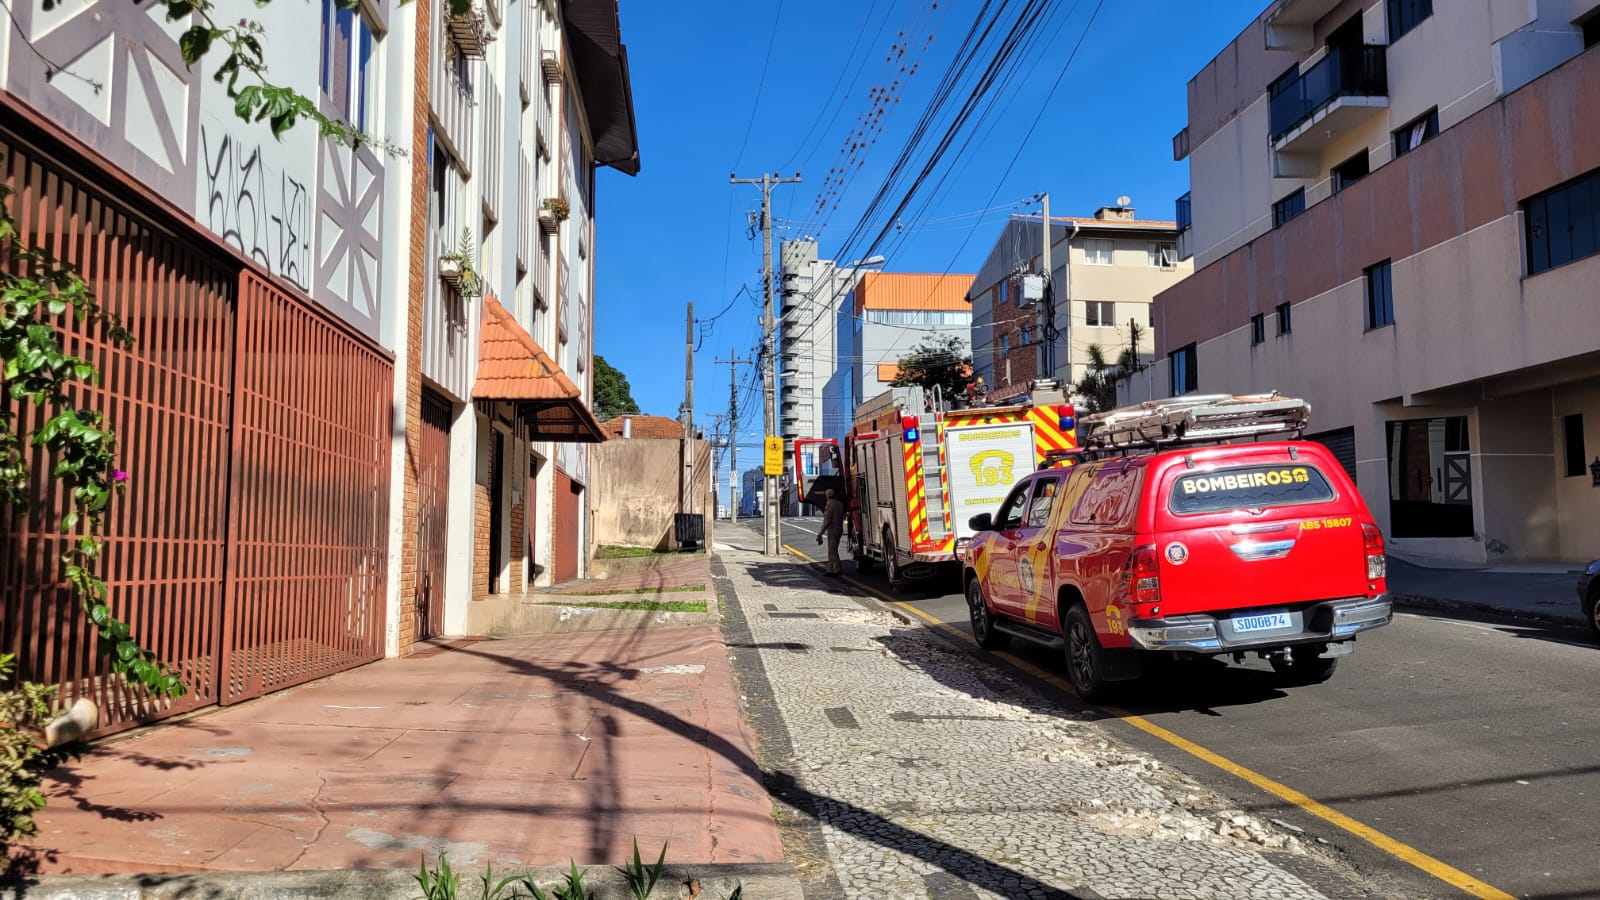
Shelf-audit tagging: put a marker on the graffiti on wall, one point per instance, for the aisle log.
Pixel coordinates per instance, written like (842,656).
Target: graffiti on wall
(266,214)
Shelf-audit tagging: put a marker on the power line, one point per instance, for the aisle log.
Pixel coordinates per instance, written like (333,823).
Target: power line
(761,85)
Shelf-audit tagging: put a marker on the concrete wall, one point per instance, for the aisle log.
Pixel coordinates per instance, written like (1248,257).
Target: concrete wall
(636,490)
(1577,500)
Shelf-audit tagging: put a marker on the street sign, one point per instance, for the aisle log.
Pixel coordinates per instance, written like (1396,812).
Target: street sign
(774,460)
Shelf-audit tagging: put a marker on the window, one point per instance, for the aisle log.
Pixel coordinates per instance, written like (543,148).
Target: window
(349,76)
(1010,516)
(1572,432)
(1258,329)
(1289,207)
(1591,31)
(1380,296)
(1405,15)
(917,317)
(1285,323)
(1185,214)
(1563,224)
(1100,313)
(1005,343)
(1430,478)
(1163,255)
(1099,252)
(1043,500)
(1410,136)
(1185,372)
(1252,487)
(1350,171)
(1027,334)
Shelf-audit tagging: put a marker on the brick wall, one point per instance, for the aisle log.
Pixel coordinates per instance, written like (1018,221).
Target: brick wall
(480,512)
(414,299)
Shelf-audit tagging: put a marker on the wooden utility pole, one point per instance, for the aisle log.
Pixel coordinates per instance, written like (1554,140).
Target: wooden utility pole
(768,349)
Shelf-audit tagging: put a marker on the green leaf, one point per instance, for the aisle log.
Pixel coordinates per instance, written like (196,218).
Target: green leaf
(179,9)
(100,615)
(195,42)
(127,651)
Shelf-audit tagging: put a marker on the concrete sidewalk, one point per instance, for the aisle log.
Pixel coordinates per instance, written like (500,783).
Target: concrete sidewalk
(520,752)
(1547,593)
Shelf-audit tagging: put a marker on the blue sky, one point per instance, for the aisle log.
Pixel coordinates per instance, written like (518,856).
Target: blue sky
(677,232)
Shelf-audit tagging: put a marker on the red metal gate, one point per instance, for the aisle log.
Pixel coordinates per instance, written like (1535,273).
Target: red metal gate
(250,549)
(433,506)
(308,534)
(167,398)
(564,525)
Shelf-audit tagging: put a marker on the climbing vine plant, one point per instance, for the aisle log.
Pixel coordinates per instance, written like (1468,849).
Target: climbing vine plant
(37,294)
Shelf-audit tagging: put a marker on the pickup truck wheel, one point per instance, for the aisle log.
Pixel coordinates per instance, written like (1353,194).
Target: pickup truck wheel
(1304,665)
(983,630)
(1084,663)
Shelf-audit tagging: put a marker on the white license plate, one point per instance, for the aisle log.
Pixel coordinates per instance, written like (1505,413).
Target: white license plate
(1261,622)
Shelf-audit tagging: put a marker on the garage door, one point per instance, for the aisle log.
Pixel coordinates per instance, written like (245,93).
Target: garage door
(1342,444)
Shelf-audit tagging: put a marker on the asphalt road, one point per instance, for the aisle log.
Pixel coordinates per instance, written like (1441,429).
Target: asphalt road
(1474,742)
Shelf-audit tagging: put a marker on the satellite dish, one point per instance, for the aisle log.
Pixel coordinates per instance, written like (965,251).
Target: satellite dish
(1124,200)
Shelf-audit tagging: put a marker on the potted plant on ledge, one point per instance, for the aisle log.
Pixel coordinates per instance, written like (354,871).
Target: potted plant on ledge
(456,268)
(554,211)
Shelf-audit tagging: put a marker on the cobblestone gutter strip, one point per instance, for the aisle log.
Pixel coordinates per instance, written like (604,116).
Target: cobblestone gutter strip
(796,813)
(712,882)
(1419,601)
(934,774)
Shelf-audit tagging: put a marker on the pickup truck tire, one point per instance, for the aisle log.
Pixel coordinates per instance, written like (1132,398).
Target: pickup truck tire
(983,630)
(1085,665)
(1304,665)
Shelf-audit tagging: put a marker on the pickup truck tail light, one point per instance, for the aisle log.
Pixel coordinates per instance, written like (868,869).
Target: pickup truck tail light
(1145,569)
(1372,542)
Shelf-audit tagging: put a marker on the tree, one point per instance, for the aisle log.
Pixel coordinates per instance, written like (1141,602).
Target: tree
(612,395)
(1098,387)
(942,361)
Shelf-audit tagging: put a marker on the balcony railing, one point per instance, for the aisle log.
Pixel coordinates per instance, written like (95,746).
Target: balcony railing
(453,105)
(1345,72)
(1183,214)
(491,176)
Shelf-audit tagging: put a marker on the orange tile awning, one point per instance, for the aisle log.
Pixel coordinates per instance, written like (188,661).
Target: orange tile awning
(512,367)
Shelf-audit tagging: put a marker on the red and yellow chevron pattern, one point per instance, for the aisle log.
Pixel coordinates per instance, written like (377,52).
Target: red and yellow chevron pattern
(915,491)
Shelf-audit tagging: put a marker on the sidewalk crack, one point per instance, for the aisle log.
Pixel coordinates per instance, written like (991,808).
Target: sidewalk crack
(316,807)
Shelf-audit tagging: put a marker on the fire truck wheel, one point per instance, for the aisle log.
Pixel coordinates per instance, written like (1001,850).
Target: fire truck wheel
(983,630)
(1305,665)
(1084,663)
(891,565)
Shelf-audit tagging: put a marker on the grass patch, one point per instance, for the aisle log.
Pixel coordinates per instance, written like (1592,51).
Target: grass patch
(682,588)
(614,551)
(646,605)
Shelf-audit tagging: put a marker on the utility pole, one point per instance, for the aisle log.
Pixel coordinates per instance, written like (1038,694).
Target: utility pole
(768,347)
(1047,307)
(686,480)
(734,481)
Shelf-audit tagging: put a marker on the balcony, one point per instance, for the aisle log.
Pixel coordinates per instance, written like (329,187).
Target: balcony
(1183,214)
(1291,24)
(1344,88)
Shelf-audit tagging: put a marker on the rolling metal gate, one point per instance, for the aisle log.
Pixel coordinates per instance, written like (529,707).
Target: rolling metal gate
(249,550)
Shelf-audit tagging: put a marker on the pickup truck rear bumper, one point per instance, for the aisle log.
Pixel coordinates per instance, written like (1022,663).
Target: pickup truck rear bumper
(1326,621)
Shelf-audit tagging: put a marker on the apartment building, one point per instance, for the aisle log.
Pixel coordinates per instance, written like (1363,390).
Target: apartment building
(812,293)
(307,360)
(1394,214)
(1108,268)
(889,314)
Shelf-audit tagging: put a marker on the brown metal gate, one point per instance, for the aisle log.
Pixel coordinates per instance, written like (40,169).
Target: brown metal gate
(250,548)
(565,528)
(433,507)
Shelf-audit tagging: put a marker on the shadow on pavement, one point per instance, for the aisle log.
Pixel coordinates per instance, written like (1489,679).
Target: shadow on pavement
(1572,634)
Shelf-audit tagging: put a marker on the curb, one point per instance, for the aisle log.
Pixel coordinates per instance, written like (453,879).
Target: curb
(763,881)
(1421,601)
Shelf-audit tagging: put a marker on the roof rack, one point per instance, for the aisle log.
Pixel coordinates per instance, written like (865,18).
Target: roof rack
(1208,418)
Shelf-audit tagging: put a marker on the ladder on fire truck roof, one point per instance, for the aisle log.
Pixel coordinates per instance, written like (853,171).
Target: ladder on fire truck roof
(1209,418)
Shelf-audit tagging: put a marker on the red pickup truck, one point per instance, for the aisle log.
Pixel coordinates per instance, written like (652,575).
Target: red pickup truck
(1156,544)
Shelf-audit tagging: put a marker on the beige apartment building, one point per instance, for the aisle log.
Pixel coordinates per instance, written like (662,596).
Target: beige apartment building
(1396,215)
(1107,269)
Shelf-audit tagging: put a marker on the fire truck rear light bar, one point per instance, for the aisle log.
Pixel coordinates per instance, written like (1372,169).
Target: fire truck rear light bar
(1195,420)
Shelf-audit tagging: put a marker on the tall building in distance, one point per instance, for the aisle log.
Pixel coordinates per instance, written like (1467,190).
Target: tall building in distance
(1108,268)
(890,313)
(812,292)
(1396,215)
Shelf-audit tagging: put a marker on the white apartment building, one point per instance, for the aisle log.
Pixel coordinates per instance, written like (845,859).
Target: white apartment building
(1395,209)
(812,291)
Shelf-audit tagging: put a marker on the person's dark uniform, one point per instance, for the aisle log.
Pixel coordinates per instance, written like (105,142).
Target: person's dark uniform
(833,530)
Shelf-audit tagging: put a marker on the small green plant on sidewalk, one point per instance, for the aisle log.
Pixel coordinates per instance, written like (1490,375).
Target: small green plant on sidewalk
(24,758)
(442,883)
(617,551)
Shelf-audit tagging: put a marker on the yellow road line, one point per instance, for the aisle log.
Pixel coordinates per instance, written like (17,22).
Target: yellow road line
(1403,852)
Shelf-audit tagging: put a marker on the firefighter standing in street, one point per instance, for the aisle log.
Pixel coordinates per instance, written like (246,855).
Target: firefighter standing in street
(833,530)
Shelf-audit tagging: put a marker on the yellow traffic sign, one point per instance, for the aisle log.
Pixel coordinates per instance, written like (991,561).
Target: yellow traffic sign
(774,460)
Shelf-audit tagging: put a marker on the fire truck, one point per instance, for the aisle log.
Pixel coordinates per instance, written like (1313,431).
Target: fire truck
(915,468)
